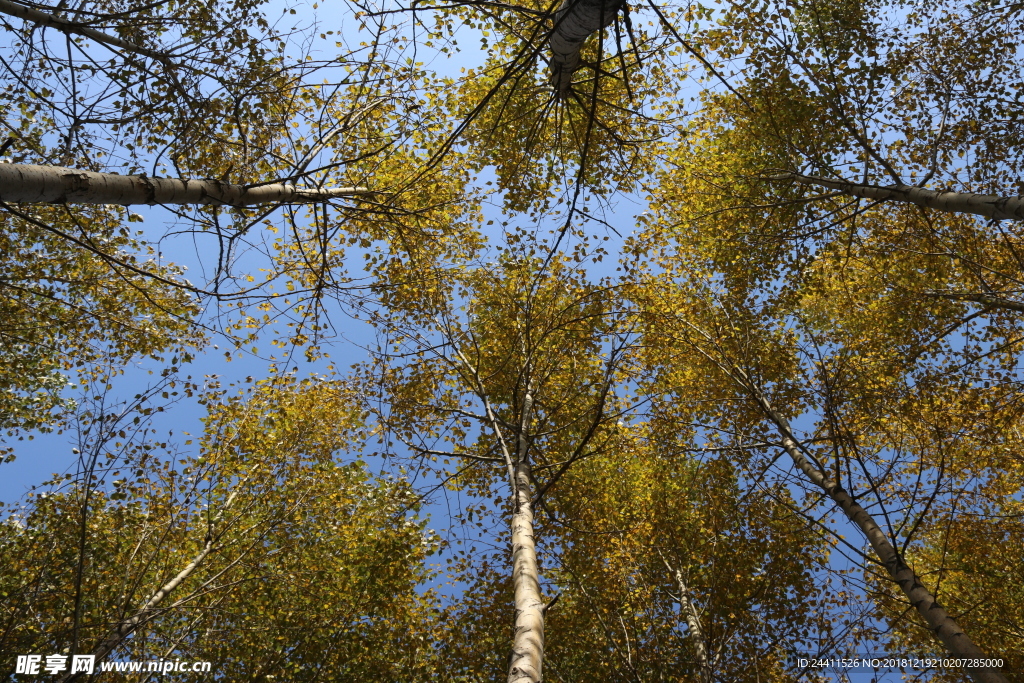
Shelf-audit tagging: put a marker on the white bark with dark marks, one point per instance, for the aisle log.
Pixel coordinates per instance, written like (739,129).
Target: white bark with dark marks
(32,184)
(73,28)
(575,21)
(987,205)
(705,663)
(527,658)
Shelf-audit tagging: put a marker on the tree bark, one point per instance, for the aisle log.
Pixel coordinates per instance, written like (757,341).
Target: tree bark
(705,665)
(65,26)
(939,622)
(527,658)
(987,205)
(575,21)
(29,183)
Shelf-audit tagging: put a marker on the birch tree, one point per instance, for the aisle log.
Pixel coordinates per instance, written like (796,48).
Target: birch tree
(263,554)
(575,22)
(847,102)
(234,132)
(519,387)
(876,434)
(874,346)
(905,315)
(989,206)
(974,560)
(564,152)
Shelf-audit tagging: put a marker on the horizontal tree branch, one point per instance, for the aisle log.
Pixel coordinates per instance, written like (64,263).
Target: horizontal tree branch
(987,205)
(43,19)
(449,454)
(990,300)
(29,183)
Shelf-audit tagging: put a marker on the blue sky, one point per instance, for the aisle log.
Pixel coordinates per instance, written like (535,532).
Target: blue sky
(52,454)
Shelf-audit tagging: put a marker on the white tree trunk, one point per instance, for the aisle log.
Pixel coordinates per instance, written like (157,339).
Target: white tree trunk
(527,658)
(939,622)
(575,21)
(526,662)
(65,26)
(705,665)
(987,205)
(29,183)
(127,626)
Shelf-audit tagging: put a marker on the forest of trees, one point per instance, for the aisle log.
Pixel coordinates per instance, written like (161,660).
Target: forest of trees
(650,342)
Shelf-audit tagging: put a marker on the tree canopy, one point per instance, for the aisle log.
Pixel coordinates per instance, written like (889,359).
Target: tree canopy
(672,342)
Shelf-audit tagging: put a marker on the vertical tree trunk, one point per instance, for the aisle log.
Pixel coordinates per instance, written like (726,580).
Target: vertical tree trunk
(575,21)
(704,660)
(939,622)
(987,205)
(527,658)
